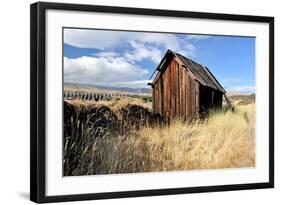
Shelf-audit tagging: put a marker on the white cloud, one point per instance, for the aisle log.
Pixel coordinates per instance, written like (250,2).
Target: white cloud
(101,71)
(188,50)
(172,42)
(116,63)
(197,37)
(242,89)
(107,54)
(100,39)
(140,52)
(152,43)
(168,41)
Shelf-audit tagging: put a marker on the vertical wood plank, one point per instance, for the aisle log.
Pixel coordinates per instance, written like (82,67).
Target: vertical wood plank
(164,93)
(160,95)
(167,96)
(175,89)
(188,99)
(157,97)
(192,98)
(197,100)
(172,80)
(180,89)
(184,76)
(153,99)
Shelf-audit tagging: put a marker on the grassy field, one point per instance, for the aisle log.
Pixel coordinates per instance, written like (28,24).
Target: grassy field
(224,139)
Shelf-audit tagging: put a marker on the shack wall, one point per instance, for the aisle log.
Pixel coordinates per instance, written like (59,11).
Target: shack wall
(175,93)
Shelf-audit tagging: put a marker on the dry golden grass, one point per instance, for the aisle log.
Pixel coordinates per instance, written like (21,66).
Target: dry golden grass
(115,104)
(225,139)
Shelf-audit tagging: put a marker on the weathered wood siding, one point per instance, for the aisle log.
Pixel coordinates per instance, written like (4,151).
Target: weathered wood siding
(176,93)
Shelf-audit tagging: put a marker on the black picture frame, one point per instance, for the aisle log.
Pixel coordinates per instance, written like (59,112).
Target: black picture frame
(38,101)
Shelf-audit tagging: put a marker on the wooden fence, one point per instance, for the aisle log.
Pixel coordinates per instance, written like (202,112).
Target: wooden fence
(99,96)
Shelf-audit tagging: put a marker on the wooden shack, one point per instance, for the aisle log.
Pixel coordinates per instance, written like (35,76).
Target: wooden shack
(184,88)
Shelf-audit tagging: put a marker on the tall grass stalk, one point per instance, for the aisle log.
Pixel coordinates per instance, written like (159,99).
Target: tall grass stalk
(224,139)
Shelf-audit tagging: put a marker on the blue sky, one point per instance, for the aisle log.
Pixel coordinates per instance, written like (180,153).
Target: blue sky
(127,59)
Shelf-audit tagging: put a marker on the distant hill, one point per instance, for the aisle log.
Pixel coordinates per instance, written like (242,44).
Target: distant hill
(241,99)
(233,93)
(71,87)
